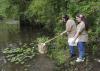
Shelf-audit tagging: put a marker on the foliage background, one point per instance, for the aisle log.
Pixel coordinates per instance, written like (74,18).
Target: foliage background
(48,13)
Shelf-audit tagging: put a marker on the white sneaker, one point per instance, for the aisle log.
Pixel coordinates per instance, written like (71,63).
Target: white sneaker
(82,59)
(79,60)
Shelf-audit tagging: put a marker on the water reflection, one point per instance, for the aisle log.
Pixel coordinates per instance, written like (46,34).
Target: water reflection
(12,36)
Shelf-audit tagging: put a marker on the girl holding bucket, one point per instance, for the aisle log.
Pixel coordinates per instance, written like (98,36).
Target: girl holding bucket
(81,36)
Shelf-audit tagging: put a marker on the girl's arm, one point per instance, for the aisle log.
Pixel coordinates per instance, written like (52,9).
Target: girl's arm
(82,26)
(68,28)
(76,36)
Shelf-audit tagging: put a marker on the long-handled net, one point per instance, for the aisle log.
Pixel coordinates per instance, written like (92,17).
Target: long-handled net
(42,48)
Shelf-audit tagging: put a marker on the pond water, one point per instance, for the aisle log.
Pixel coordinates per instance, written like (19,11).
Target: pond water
(11,35)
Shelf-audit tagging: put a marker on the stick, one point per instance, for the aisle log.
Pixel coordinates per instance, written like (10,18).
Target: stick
(51,39)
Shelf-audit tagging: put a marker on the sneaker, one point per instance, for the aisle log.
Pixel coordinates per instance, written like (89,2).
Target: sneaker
(79,60)
(82,59)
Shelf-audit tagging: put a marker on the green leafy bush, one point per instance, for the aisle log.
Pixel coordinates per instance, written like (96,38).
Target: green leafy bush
(58,50)
(42,39)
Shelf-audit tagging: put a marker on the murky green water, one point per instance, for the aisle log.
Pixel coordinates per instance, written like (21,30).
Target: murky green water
(11,35)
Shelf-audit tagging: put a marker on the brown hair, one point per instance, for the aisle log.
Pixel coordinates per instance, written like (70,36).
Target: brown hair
(66,17)
(83,18)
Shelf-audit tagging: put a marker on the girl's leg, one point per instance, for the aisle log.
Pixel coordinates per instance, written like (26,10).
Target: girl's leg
(81,48)
(72,52)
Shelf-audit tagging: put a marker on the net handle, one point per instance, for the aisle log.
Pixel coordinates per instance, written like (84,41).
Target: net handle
(51,39)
